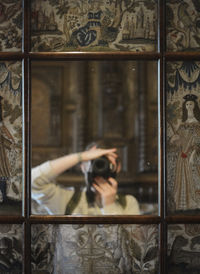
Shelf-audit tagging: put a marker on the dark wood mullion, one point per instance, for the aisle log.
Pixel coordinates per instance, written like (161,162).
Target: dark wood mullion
(26,24)
(11,219)
(57,56)
(27,196)
(25,108)
(160,27)
(178,219)
(163,170)
(181,56)
(12,56)
(162,203)
(26,138)
(128,219)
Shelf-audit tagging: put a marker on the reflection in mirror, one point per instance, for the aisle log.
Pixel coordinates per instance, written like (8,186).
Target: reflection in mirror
(94,137)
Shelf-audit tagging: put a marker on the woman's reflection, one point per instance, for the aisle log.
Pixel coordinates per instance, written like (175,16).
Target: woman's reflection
(99,196)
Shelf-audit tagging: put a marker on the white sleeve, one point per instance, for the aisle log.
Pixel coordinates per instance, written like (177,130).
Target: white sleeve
(45,191)
(131,208)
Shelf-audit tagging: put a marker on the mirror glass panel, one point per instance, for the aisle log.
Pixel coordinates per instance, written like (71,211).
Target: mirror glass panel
(113,104)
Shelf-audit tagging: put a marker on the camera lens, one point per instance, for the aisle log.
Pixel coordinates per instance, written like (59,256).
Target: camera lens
(100,165)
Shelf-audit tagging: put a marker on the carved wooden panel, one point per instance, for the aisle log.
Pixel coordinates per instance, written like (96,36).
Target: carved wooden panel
(123,112)
(95,249)
(94,25)
(183,136)
(183,25)
(11,248)
(46,105)
(58,90)
(10,136)
(183,249)
(11,25)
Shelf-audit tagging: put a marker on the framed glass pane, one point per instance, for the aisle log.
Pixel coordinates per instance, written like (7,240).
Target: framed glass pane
(95,248)
(11,25)
(94,25)
(10,137)
(112,103)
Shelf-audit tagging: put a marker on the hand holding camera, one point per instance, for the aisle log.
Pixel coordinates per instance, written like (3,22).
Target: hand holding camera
(100,174)
(106,191)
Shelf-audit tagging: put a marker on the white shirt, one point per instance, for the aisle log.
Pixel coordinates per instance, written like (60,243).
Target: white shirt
(51,198)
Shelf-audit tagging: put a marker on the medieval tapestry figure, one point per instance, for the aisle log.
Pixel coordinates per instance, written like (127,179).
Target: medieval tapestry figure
(11,141)
(6,141)
(187,139)
(183,137)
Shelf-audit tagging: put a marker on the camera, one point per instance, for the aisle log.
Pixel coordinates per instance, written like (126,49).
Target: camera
(101,167)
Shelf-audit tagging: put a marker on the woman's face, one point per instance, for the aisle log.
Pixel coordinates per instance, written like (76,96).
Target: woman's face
(189,105)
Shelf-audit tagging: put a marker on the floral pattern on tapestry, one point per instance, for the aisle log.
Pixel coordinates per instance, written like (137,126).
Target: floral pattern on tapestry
(183,136)
(183,25)
(183,249)
(11,25)
(94,25)
(95,249)
(10,131)
(43,239)
(11,248)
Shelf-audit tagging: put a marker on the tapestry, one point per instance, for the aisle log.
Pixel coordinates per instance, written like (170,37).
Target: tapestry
(183,249)
(11,25)
(94,25)
(11,248)
(10,131)
(183,136)
(183,25)
(101,249)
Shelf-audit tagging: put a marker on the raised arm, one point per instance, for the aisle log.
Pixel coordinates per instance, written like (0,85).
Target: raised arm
(61,164)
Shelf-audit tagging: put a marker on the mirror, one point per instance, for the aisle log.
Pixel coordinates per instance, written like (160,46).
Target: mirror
(75,103)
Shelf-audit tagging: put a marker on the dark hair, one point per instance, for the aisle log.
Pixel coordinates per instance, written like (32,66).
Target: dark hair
(89,193)
(98,144)
(90,196)
(196,110)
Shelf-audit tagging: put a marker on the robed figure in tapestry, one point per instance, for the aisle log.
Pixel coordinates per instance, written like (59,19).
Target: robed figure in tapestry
(187,139)
(6,141)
